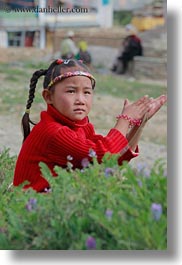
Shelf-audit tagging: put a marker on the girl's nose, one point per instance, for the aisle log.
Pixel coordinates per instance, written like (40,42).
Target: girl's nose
(79,98)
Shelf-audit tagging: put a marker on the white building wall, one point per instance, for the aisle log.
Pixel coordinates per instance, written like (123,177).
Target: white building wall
(105,13)
(3,39)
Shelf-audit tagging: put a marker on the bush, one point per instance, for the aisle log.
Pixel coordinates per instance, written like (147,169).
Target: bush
(104,207)
(122,17)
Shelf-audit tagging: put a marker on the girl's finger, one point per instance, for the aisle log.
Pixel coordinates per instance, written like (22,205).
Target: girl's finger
(126,102)
(142,100)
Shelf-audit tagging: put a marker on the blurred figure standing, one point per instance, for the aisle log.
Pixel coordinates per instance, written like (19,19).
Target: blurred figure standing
(68,46)
(83,53)
(131,47)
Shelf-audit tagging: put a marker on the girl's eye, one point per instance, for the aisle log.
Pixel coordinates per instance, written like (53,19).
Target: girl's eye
(71,91)
(87,92)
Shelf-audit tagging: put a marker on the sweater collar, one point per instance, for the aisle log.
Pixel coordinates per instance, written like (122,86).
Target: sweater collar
(57,116)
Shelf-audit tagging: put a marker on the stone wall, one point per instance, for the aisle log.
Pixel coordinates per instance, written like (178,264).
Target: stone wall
(150,68)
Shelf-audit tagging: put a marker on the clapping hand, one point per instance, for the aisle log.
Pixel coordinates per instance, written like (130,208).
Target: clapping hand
(137,109)
(144,108)
(155,105)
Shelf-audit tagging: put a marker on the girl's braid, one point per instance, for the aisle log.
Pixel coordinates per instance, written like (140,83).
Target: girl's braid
(33,83)
(26,120)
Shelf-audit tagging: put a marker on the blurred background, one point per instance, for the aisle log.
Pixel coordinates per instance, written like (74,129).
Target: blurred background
(40,25)
(31,32)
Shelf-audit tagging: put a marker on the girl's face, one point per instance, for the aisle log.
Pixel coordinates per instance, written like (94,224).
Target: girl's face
(72,97)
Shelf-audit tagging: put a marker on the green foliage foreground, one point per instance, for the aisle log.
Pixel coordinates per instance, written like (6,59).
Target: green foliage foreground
(103,207)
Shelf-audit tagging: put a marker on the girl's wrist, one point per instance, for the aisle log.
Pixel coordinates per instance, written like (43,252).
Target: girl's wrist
(122,126)
(132,122)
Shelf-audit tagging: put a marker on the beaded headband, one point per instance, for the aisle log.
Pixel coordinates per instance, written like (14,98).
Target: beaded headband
(69,74)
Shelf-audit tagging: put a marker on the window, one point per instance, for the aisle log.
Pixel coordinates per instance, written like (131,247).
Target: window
(15,38)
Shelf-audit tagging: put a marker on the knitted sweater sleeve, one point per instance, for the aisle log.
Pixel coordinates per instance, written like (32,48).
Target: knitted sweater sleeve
(77,144)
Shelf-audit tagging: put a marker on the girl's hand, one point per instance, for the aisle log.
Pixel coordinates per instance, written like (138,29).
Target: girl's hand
(155,105)
(137,109)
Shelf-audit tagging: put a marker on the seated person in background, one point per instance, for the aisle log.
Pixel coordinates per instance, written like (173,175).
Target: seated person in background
(131,47)
(68,46)
(83,53)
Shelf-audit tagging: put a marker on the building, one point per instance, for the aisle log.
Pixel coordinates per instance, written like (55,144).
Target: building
(27,23)
(150,16)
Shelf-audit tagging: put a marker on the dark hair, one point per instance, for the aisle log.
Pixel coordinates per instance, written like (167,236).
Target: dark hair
(54,70)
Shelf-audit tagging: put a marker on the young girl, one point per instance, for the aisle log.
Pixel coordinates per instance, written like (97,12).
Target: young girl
(64,130)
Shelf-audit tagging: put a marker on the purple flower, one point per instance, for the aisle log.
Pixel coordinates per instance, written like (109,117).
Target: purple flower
(2,230)
(92,153)
(32,201)
(140,183)
(85,162)
(108,214)
(143,168)
(140,166)
(146,172)
(156,210)
(31,205)
(90,243)
(109,172)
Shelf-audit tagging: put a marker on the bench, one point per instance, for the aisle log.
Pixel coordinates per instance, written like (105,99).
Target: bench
(149,67)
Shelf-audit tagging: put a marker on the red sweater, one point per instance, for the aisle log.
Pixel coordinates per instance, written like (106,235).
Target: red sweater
(54,138)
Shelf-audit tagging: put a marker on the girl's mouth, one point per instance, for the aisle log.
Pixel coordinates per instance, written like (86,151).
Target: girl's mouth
(79,110)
